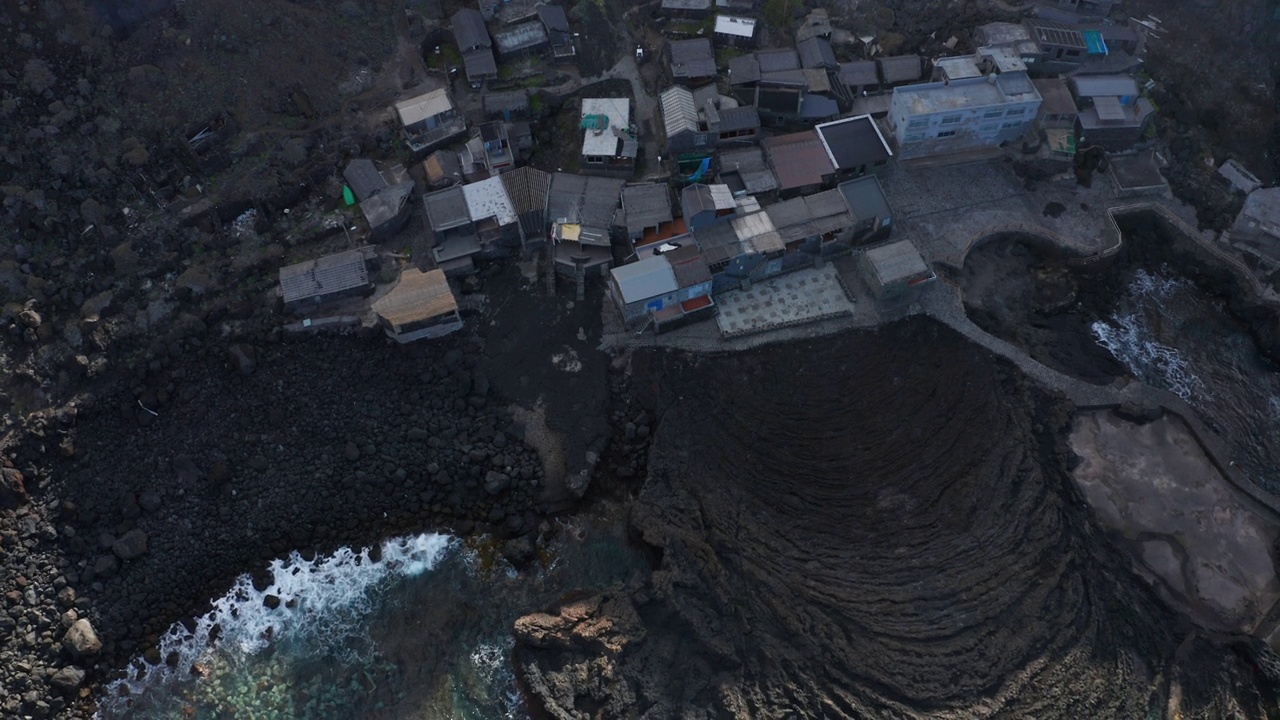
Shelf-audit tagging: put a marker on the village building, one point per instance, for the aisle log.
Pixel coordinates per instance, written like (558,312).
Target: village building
(672,286)
(816,24)
(782,91)
(421,305)
(1112,114)
(609,145)
(900,69)
(854,145)
(528,188)
(1238,177)
(472,38)
(963,115)
(869,206)
(383,196)
(856,78)
(687,9)
(816,53)
(746,172)
(468,221)
(442,169)
(1073,10)
(1137,175)
(582,210)
(1256,231)
(306,286)
(1051,48)
(895,270)
(800,163)
(1057,117)
(646,210)
(692,61)
(702,205)
(690,126)
(733,31)
(559,36)
(499,155)
(430,119)
(521,40)
(505,105)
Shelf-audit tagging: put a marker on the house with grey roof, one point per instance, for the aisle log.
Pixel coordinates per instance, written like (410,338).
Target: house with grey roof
(1112,113)
(900,69)
(559,36)
(702,204)
(582,211)
(816,53)
(869,206)
(1256,231)
(646,208)
(800,163)
(894,270)
(691,9)
(306,286)
(475,44)
(692,61)
(783,92)
(528,188)
(468,221)
(745,171)
(857,78)
(666,290)
(690,125)
(383,196)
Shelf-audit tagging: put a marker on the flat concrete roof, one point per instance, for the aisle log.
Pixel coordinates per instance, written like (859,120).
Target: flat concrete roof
(936,97)
(605,142)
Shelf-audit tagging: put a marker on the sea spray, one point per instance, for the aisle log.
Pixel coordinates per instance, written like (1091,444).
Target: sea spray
(1129,337)
(315,606)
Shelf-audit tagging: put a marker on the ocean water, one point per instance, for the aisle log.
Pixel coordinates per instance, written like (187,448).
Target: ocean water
(1172,335)
(423,631)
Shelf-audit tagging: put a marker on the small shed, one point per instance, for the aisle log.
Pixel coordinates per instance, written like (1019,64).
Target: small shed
(556,22)
(443,169)
(526,38)
(421,305)
(892,270)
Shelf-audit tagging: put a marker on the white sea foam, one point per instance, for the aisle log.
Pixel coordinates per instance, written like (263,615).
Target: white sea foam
(1128,338)
(324,599)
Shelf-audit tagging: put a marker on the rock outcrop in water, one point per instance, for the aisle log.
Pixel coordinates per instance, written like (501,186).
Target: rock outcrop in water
(875,525)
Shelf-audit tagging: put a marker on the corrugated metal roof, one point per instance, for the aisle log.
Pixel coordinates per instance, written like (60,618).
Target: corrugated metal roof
(798,159)
(1109,108)
(644,279)
(521,37)
(735,26)
(324,276)
(721,196)
(422,107)
(418,296)
(896,262)
(479,64)
(750,166)
(739,118)
(775,60)
(679,114)
(588,200)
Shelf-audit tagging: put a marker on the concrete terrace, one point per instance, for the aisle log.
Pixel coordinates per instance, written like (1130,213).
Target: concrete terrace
(793,299)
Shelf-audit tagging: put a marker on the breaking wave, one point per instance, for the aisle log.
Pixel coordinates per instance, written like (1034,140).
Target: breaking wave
(1130,338)
(316,607)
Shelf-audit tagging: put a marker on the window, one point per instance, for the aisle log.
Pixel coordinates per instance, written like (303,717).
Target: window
(946,133)
(993,114)
(951,120)
(917,123)
(1016,111)
(1073,53)
(989,128)
(1008,125)
(596,159)
(914,137)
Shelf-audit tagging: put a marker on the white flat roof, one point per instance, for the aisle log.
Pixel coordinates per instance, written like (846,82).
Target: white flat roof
(736,26)
(604,141)
(489,199)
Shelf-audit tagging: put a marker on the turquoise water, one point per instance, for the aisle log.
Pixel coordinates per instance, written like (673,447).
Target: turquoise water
(422,632)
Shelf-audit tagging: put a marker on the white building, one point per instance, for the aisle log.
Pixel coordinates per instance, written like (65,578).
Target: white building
(608,145)
(962,114)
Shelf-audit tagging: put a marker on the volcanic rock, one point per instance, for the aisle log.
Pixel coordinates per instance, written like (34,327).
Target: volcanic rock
(131,545)
(81,639)
(68,679)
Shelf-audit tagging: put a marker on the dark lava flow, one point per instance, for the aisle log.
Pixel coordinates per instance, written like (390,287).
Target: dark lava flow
(878,525)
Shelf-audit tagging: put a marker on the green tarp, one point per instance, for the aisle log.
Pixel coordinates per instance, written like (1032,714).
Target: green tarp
(348,196)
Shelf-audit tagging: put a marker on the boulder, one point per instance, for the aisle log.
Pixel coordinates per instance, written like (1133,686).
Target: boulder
(81,639)
(131,545)
(13,489)
(242,358)
(495,482)
(68,679)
